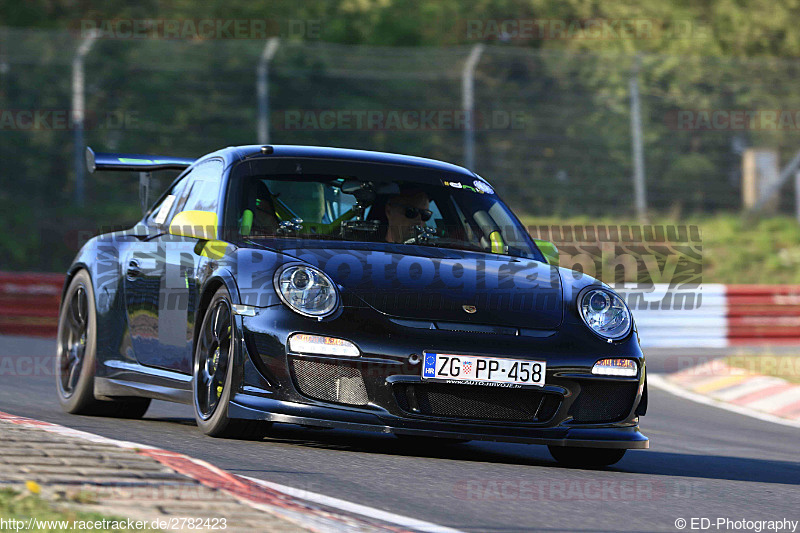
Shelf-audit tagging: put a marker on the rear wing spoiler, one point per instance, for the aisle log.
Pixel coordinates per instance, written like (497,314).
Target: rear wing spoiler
(134,162)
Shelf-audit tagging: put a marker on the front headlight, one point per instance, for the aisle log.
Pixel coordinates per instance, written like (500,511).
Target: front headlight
(307,290)
(605,313)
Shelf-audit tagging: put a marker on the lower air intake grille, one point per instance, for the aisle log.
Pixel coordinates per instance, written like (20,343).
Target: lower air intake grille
(329,382)
(476,402)
(603,402)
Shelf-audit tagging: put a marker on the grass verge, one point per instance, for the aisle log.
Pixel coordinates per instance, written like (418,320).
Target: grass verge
(20,511)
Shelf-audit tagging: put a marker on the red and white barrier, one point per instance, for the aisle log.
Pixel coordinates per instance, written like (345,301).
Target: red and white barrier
(763,314)
(701,324)
(718,316)
(29,303)
(725,315)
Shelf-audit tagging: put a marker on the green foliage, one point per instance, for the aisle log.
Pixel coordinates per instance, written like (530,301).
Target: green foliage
(710,27)
(690,172)
(571,155)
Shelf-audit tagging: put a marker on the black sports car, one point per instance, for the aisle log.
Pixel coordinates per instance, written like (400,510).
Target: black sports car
(347,289)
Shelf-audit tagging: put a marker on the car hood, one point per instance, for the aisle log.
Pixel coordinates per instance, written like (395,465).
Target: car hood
(435,284)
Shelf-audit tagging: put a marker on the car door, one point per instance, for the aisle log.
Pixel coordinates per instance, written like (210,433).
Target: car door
(161,278)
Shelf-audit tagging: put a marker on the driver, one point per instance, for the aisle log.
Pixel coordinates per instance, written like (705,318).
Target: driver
(404,211)
(264,220)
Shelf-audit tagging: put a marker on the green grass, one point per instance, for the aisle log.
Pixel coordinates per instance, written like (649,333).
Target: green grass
(734,249)
(24,506)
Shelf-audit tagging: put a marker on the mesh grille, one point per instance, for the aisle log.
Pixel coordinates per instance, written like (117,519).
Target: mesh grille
(329,382)
(603,402)
(476,402)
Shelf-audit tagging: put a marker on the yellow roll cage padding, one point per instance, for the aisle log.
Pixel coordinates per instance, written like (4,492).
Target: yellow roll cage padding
(498,244)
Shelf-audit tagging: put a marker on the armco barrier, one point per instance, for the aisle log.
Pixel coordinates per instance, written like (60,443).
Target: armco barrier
(29,303)
(726,315)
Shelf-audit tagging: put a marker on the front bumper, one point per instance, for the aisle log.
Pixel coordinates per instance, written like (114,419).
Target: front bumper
(573,408)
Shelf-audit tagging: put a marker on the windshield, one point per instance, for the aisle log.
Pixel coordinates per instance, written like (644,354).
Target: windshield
(372,205)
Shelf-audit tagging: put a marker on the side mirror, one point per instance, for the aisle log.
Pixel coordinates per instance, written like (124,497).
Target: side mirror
(549,251)
(196,224)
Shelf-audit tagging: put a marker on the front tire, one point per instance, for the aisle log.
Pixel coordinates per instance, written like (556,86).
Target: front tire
(76,357)
(585,457)
(212,375)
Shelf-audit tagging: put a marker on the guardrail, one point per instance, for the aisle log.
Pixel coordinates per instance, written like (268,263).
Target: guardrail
(29,303)
(723,315)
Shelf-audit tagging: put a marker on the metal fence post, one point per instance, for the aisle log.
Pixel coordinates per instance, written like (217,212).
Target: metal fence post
(797,195)
(79,113)
(774,188)
(262,88)
(637,147)
(468,103)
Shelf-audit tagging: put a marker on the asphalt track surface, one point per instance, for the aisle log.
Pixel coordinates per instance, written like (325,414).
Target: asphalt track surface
(704,462)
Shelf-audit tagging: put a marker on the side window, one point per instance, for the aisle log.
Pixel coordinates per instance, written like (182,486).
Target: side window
(159,215)
(181,200)
(204,190)
(204,196)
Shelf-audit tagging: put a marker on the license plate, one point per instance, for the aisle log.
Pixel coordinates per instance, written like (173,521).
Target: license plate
(480,370)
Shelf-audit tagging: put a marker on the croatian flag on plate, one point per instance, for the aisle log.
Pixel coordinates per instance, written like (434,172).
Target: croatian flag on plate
(430,365)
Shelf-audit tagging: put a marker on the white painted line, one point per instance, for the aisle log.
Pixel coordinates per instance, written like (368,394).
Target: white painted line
(659,382)
(363,510)
(76,433)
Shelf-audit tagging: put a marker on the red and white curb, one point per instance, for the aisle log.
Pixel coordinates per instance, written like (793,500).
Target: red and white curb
(309,510)
(734,389)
